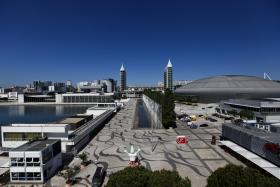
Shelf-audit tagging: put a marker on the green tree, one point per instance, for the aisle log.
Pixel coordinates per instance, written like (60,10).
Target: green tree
(246,114)
(232,112)
(168,105)
(136,177)
(141,177)
(83,156)
(239,176)
(164,178)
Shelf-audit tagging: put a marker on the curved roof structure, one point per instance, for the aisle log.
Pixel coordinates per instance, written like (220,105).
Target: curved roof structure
(230,87)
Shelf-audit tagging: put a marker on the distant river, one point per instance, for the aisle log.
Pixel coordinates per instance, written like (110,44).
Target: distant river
(38,114)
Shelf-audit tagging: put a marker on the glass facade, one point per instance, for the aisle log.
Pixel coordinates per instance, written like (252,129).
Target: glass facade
(20,136)
(88,99)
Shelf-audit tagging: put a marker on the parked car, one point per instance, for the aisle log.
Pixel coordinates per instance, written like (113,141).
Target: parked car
(193,126)
(98,177)
(204,125)
(211,119)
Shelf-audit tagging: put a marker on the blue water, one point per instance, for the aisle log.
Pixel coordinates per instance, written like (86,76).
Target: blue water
(38,114)
(143,117)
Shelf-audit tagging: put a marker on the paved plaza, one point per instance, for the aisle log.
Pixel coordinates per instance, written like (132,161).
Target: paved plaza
(195,160)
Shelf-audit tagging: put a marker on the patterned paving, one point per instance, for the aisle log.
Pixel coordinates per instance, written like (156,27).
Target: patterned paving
(196,160)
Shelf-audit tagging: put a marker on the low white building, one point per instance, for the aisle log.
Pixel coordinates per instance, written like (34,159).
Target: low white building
(84,98)
(16,135)
(35,162)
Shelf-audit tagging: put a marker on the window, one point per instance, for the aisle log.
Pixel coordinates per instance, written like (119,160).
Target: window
(17,161)
(15,176)
(32,161)
(18,176)
(31,176)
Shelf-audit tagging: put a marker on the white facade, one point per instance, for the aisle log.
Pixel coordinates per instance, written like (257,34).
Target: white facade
(84,98)
(51,89)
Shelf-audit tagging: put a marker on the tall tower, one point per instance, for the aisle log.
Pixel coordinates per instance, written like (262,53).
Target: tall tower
(168,77)
(122,78)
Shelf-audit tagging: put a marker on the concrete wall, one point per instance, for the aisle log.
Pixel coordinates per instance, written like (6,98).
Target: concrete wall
(154,112)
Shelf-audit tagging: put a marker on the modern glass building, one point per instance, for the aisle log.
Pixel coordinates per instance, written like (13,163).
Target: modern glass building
(122,78)
(168,76)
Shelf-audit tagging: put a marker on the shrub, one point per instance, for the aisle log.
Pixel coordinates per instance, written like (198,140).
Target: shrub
(136,177)
(247,114)
(166,178)
(239,176)
(83,157)
(141,177)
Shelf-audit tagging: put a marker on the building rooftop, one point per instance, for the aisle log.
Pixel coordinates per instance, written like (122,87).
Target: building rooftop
(169,65)
(122,68)
(71,120)
(232,81)
(36,145)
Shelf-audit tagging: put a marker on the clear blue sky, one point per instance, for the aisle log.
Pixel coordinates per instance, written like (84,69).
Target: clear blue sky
(86,40)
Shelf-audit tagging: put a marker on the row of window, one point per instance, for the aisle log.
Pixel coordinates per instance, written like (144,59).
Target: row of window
(20,136)
(87,99)
(270,110)
(27,162)
(266,110)
(29,176)
(244,107)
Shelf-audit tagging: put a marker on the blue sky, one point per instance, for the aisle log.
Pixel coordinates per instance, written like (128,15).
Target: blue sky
(86,40)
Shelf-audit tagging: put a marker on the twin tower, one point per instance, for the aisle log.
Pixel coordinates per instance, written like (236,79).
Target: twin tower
(167,82)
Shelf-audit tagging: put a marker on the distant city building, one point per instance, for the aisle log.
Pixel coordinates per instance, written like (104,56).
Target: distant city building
(2,90)
(122,78)
(105,85)
(114,84)
(160,84)
(18,89)
(41,86)
(69,86)
(35,161)
(68,83)
(59,87)
(181,82)
(176,83)
(51,89)
(168,76)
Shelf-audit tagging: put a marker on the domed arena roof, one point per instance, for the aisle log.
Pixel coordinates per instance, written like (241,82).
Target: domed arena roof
(232,81)
(230,87)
